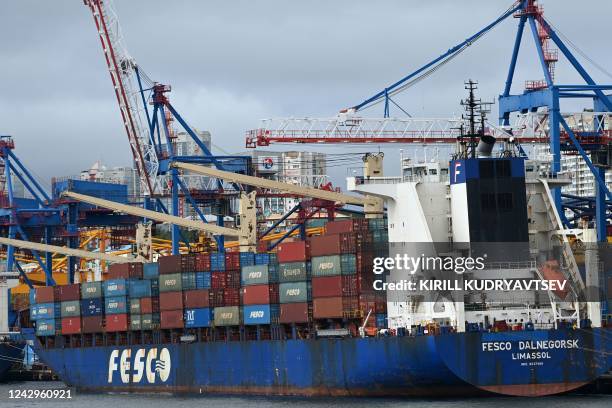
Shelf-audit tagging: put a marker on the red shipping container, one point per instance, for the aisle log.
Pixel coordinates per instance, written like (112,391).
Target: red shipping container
(70,292)
(202,262)
(351,225)
(170,301)
(293,251)
(256,295)
(232,261)
(218,280)
(169,264)
(116,322)
(328,286)
(45,294)
(92,324)
(71,325)
(274,293)
(327,308)
(332,244)
(149,305)
(195,299)
(216,297)
(57,292)
(294,313)
(231,297)
(118,271)
(172,319)
(350,303)
(232,279)
(350,286)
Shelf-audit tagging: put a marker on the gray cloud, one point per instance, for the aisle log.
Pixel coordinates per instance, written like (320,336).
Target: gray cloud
(231,63)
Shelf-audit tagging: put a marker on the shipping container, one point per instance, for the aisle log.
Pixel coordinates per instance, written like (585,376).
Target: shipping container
(170,283)
(46,327)
(327,286)
(232,279)
(150,270)
(196,299)
(172,319)
(274,293)
(256,295)
(350,285)
(69,292)
(216,297)
(217,261)
(293,272)
(116,322)
(71,308)
(188,263)
(327,308)
(202,262)
(154,286)
(293,251)
(263,258)
(326,265)
(147,322)
(294,313)
(232,261)
(231,296)
(115,305)
(260,314)
(132,270)
(139,288)
(381,320)
(293,292)
(169,264)
(90,290)
(149,305)
(188,280)
(199,317)
(92,307)
(344,226)
(203,280)
(227,316)
(135,306)
(32,296)
(255,275)
(71,325)
(170,301)
(115,287)
(92,324)
(45,311)
(135,322)
(247,259)
(218,280)
(375,224)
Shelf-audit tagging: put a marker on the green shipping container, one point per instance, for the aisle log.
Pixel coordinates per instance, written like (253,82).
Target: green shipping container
(135,306)
(227,316)
(188,280)
(90,290)
(71,308)
(292,272)
(326,265)
(348,264)
(146,322)
(171,282)
(293,292)
(135,322)
(255,275)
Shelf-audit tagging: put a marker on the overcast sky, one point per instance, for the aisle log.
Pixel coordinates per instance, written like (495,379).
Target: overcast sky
(231,63)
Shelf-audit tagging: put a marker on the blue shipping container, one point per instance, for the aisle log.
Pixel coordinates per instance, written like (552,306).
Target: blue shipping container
(260,314)
(199,317)
(381,320)
(107,191)
(46,311)
(115,305)
(262,259)
(203,280)
(247,258)
(45,327)
(150,270)
(115,287)
(91,307)
(140,288)
(217,261)
(32,297)
(154,287)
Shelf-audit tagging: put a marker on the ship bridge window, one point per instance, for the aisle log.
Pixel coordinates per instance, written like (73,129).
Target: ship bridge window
(487,169)
(444,172)
(502,168)
(433,172)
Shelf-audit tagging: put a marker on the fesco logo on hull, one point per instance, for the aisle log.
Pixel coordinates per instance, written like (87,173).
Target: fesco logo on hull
(143,365)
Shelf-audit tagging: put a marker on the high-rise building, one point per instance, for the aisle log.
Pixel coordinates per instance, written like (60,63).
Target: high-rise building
(583,182)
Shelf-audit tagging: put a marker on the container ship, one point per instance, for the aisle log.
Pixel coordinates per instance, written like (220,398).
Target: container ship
(311,319)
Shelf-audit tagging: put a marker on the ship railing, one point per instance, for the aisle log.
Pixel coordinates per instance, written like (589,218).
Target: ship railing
(360,180)
(511,265)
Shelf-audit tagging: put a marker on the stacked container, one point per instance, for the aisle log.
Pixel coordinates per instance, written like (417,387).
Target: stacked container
(294,282)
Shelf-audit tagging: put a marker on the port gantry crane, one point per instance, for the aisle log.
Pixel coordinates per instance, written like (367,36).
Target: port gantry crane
(585,133)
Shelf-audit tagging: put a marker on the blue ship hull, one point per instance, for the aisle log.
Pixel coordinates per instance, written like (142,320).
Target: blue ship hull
(453,364)
(10,352)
